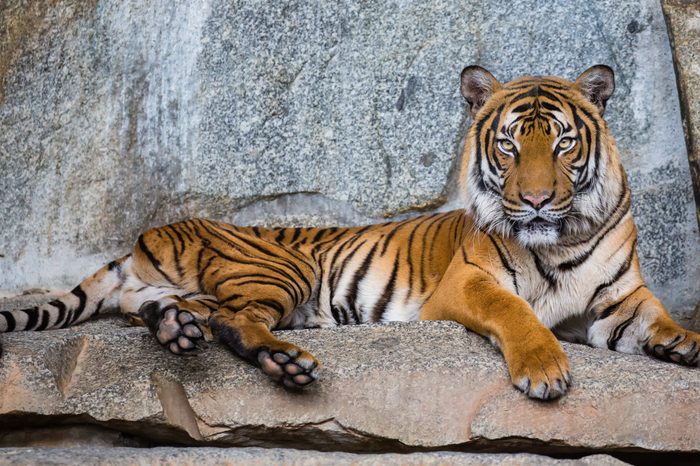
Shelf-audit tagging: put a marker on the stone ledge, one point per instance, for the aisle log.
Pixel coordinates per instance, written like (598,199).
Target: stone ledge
(398,387)
(263,457)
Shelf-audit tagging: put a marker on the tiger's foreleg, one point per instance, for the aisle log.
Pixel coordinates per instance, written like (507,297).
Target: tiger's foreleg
(470,296)
(639,324)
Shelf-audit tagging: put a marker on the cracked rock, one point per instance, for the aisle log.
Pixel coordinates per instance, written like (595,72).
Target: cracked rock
(398,387)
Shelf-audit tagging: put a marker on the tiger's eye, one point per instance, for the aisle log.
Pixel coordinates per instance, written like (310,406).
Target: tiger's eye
(566,143)
(505,145)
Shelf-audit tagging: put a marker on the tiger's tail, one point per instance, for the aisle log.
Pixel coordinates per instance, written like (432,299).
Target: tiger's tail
(100,290)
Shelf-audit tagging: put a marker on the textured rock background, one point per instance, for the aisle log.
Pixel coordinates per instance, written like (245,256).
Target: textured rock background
(116,387)
(119,115)
(683,20)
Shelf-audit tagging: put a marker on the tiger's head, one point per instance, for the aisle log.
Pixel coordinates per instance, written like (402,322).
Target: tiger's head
(539,163)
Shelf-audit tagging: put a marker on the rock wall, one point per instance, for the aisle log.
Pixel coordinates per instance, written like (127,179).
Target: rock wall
(120,115)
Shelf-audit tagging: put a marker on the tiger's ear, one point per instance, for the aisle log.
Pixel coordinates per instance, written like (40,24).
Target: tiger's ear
(477,85)
(597,84)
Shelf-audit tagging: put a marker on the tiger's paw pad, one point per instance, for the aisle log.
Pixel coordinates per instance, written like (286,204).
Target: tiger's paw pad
(543,376)
(174,328)
(675,344)
(291,367)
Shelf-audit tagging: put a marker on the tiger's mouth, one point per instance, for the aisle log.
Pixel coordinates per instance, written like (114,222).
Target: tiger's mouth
(541,222)
(537,231)
(536,222)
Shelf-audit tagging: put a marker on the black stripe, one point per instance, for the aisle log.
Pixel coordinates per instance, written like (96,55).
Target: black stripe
(271,303)
(546,274)
(480,268)
(184,229)
(423,283)
(32,318)
(391,234)
(176,255)
(61,311)
(336,255)
(230,298)
(506,264)
(357,277)
(465,259)
(620,329)
(11,322)
(201,271)
(346,318)
(522,108)
(155,262)
(337,272)
(610,310)
(45,316)
(280,235)
(295,236)
(380,306)
(179,237)
(620,272)
(336,314)
(259,281)
(435,239)
(332,239)
(581,258)
(82,298)
(318,235)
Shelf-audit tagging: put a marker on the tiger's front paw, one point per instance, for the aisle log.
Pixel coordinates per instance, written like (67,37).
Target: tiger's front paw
(176,329)
(539,368)
(289,365)
(671,342)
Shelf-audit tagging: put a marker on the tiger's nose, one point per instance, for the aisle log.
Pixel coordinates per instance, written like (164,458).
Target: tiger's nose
(537,200)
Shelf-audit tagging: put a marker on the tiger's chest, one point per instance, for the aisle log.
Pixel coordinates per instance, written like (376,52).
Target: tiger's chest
(556,290)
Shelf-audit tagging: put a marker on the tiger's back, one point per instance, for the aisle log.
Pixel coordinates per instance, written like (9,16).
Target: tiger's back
(330,276)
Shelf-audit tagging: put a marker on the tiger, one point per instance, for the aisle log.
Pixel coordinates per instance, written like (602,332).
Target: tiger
(542,248)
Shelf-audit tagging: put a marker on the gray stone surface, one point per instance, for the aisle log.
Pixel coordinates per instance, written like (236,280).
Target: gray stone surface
(264,457)
(683,20)
(119,115)
(396,387)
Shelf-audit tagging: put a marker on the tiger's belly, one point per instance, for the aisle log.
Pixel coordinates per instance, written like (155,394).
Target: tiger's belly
(369,305)
(358,295)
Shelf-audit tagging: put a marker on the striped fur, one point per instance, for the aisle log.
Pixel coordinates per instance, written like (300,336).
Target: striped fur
(545,241)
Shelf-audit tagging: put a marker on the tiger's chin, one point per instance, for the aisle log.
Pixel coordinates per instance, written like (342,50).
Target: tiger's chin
(537,232)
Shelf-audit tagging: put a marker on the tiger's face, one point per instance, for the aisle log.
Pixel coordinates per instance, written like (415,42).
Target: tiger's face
(536,154)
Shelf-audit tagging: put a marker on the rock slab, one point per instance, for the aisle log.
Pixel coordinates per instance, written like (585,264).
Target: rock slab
(399,387)
(117,115)
(264,457)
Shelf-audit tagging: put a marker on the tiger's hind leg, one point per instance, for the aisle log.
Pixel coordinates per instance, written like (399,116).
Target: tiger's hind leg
(247,333)
(179,323)
(177,319)
(639,324)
